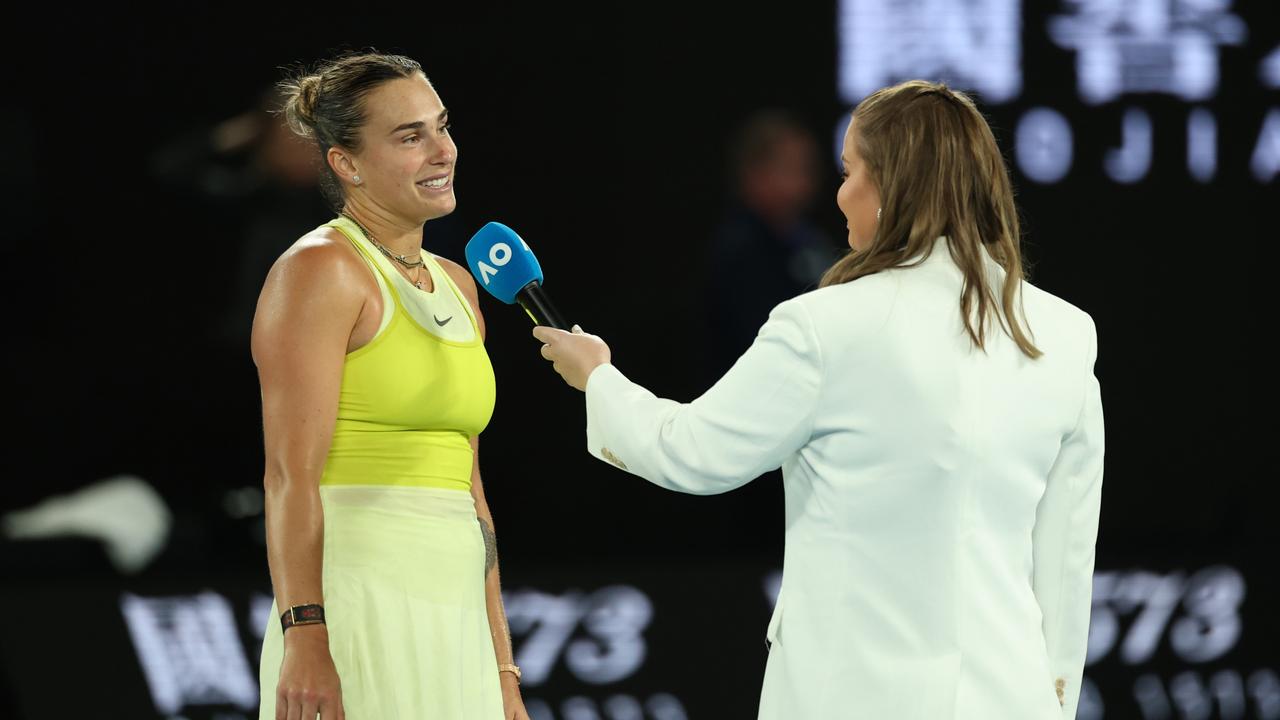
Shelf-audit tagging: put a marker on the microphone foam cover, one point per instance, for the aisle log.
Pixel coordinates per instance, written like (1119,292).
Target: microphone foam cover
(501,261)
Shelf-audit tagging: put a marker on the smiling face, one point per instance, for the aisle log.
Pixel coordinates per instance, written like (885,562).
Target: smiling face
(406,159)
(858,196)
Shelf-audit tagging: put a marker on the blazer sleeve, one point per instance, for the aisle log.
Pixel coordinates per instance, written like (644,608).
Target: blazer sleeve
(749,422)
(1066,530)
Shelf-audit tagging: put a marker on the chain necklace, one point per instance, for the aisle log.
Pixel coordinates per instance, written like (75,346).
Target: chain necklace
(398,258)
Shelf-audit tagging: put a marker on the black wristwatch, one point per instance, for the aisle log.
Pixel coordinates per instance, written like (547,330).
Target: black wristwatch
(310,614)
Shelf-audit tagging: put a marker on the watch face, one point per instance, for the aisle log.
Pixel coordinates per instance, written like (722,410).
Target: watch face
(303,615)
(309,613)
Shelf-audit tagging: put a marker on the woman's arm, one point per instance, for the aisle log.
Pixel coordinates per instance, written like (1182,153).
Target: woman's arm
(308,307)
(1064,536)
(754,418)
(493,595)
(512,703)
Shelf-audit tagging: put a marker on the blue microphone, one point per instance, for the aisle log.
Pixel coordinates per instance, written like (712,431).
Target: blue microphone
(503,264)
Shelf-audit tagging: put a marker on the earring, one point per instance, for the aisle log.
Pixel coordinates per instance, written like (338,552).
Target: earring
(878,214)
(356,178)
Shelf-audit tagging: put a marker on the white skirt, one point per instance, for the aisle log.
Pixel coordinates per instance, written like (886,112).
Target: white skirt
(404,600)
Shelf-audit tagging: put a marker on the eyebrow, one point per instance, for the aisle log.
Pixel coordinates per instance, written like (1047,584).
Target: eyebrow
(418,125)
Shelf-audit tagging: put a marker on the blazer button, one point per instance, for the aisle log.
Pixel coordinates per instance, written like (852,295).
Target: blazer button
(608,455)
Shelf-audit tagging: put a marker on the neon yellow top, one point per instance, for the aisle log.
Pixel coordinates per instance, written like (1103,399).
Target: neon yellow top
(413,396)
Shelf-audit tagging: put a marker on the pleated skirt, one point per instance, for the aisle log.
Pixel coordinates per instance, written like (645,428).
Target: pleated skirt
(405,607)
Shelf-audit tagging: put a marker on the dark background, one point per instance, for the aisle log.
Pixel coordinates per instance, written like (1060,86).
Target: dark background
(600,136)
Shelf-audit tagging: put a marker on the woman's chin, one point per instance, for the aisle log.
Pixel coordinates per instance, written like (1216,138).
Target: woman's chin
(441,205)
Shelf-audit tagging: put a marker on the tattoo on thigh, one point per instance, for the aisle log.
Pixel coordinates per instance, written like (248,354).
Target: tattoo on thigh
(490,546)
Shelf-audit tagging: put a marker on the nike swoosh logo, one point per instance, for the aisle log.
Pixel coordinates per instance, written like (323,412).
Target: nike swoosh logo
(440,322)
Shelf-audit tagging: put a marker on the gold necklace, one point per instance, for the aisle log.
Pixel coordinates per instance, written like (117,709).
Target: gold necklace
(416,279)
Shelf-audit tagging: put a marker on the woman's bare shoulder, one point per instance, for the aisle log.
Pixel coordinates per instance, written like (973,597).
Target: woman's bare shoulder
(320,247)
(320,271)
(322,258)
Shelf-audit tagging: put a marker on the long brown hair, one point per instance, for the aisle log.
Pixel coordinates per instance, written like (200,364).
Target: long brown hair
(939,172)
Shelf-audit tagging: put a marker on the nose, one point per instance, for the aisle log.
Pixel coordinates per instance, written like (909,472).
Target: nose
(445,152)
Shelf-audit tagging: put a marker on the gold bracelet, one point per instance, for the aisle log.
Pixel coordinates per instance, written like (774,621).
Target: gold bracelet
(513,669)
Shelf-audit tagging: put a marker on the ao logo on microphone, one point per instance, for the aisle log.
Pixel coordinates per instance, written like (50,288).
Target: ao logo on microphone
(499,255)
(504,264)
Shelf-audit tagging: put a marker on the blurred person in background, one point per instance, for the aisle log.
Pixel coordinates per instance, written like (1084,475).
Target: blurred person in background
(940,431)
(375,387)
(766,242)
(254,174)
(254,183)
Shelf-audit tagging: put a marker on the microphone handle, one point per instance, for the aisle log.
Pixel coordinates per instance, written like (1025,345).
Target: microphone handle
(534,300)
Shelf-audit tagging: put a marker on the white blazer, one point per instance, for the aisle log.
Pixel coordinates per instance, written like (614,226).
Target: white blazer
(941,502)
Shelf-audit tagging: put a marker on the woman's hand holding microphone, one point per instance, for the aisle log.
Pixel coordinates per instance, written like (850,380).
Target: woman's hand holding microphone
(573,354)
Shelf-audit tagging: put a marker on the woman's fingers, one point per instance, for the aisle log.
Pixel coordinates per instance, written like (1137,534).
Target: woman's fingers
(332,710)
(561,351)
(544,333)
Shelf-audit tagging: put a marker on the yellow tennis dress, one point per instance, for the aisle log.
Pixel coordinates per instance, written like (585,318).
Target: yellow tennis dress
(404,557)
